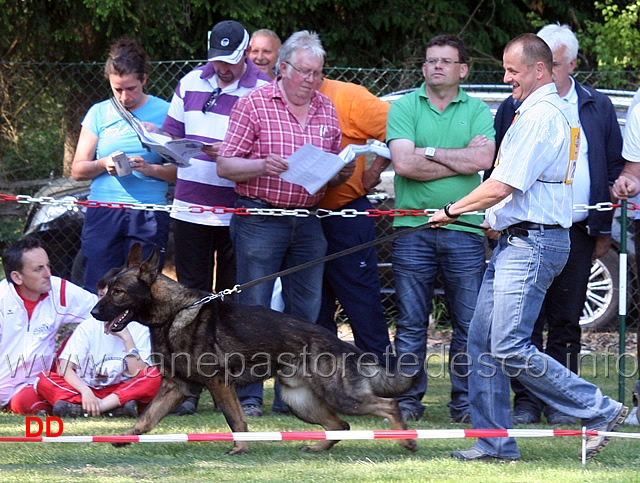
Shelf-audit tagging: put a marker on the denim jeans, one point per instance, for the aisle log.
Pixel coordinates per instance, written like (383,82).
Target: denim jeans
(514,286)
(560,313)
(416,258)
(108,235)
(355,281)
(268,244)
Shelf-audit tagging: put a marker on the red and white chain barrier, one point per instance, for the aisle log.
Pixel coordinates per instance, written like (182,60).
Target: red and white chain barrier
(72,204)
(322,435)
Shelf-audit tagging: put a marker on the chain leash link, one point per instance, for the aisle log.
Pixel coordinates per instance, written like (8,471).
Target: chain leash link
(214,296)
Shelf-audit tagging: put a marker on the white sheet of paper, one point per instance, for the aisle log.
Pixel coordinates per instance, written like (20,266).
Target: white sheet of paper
(179,151)
(311,168)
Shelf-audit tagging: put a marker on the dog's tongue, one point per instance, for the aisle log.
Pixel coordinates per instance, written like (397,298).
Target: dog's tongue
(109,325)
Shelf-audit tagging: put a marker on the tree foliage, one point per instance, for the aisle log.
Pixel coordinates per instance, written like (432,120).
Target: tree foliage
(363,33)
(615,41)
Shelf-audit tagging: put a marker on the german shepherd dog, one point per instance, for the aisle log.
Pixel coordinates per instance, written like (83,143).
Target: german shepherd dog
(220,344)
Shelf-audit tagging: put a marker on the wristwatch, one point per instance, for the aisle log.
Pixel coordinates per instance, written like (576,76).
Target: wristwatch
(429,152)
(447,212)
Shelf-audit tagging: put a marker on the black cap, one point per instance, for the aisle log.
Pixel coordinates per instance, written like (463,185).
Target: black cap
(228,42)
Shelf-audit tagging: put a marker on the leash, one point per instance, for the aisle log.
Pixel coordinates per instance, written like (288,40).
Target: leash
(327,258)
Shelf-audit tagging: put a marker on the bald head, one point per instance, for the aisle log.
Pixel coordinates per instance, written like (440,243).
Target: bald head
(527,62)
(532,50)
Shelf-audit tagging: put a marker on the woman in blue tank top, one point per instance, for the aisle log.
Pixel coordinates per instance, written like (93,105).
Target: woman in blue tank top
(108,233)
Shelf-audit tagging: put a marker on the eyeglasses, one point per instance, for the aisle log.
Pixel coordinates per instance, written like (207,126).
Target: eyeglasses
(212,99)
(446,61)
(307,73)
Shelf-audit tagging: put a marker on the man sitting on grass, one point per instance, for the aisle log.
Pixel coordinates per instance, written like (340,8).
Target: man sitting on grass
(33,306)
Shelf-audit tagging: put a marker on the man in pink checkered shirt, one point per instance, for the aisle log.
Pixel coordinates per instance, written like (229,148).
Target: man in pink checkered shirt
(265,128)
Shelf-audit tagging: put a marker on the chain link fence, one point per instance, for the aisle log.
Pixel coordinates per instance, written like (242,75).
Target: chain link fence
(42,106)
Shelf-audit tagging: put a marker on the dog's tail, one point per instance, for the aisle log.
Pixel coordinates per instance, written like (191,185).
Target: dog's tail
(389,384)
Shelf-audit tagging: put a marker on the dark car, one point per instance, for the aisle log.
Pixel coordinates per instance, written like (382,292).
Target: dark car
(59,225)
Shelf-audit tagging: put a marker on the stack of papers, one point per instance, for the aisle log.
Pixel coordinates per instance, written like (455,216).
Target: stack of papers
(175,151)
(312,168)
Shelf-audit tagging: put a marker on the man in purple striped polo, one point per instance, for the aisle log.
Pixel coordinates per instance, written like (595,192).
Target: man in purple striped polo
(200,110)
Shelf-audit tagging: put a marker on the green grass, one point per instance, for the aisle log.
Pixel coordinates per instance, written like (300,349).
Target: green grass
(543,459)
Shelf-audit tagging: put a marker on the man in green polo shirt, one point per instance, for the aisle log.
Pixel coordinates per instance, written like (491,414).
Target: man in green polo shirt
(439,139)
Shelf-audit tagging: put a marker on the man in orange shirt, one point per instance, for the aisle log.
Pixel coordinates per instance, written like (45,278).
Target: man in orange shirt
(354,279)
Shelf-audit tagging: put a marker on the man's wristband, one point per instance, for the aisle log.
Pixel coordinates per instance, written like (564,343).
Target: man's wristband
(447,212)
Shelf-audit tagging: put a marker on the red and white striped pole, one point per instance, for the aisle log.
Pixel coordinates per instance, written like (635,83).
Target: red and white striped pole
(321,435)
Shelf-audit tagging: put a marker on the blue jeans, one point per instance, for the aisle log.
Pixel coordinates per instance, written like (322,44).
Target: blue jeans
(561,313)
(416,258)
(520,271)
(108,235)
(268,244)
(355,281)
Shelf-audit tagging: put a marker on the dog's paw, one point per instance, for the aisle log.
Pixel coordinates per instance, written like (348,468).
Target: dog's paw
(410,444)
(236,451)
(308,449)
(119,445)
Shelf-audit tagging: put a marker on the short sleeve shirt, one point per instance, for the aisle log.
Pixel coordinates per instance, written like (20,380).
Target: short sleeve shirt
(413,117)
(537,158)
(99,357)
(261,124)
(362,116)
(115,134)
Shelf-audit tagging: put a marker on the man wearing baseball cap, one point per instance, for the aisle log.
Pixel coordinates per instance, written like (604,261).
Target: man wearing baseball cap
(228,42)
(200,110)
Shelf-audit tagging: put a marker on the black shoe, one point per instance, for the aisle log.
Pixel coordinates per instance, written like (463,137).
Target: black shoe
(129,410)
(280,411)
(410,415)
(461,418)
(524,416)
(65,409)
(557,418)
(474,454)
(188,406)
(252,410)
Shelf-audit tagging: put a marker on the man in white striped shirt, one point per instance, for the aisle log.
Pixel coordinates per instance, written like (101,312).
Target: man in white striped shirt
(529,201)
(200,110)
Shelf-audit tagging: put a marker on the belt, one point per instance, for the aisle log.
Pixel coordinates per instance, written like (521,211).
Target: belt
(257,201)
(522,228)
(266,204)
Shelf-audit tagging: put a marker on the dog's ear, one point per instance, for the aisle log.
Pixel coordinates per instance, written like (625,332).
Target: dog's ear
(149,268)
(135,255)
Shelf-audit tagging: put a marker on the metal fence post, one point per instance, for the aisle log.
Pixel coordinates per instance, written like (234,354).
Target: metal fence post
(622,301)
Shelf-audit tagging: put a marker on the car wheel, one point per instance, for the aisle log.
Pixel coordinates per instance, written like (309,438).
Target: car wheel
(601,305)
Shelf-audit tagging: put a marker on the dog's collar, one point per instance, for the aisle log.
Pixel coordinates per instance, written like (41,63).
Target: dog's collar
(214,296)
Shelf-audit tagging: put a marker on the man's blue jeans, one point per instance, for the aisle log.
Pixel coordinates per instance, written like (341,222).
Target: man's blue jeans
(416,258)
(268,244)
(513,289)
(355,281)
